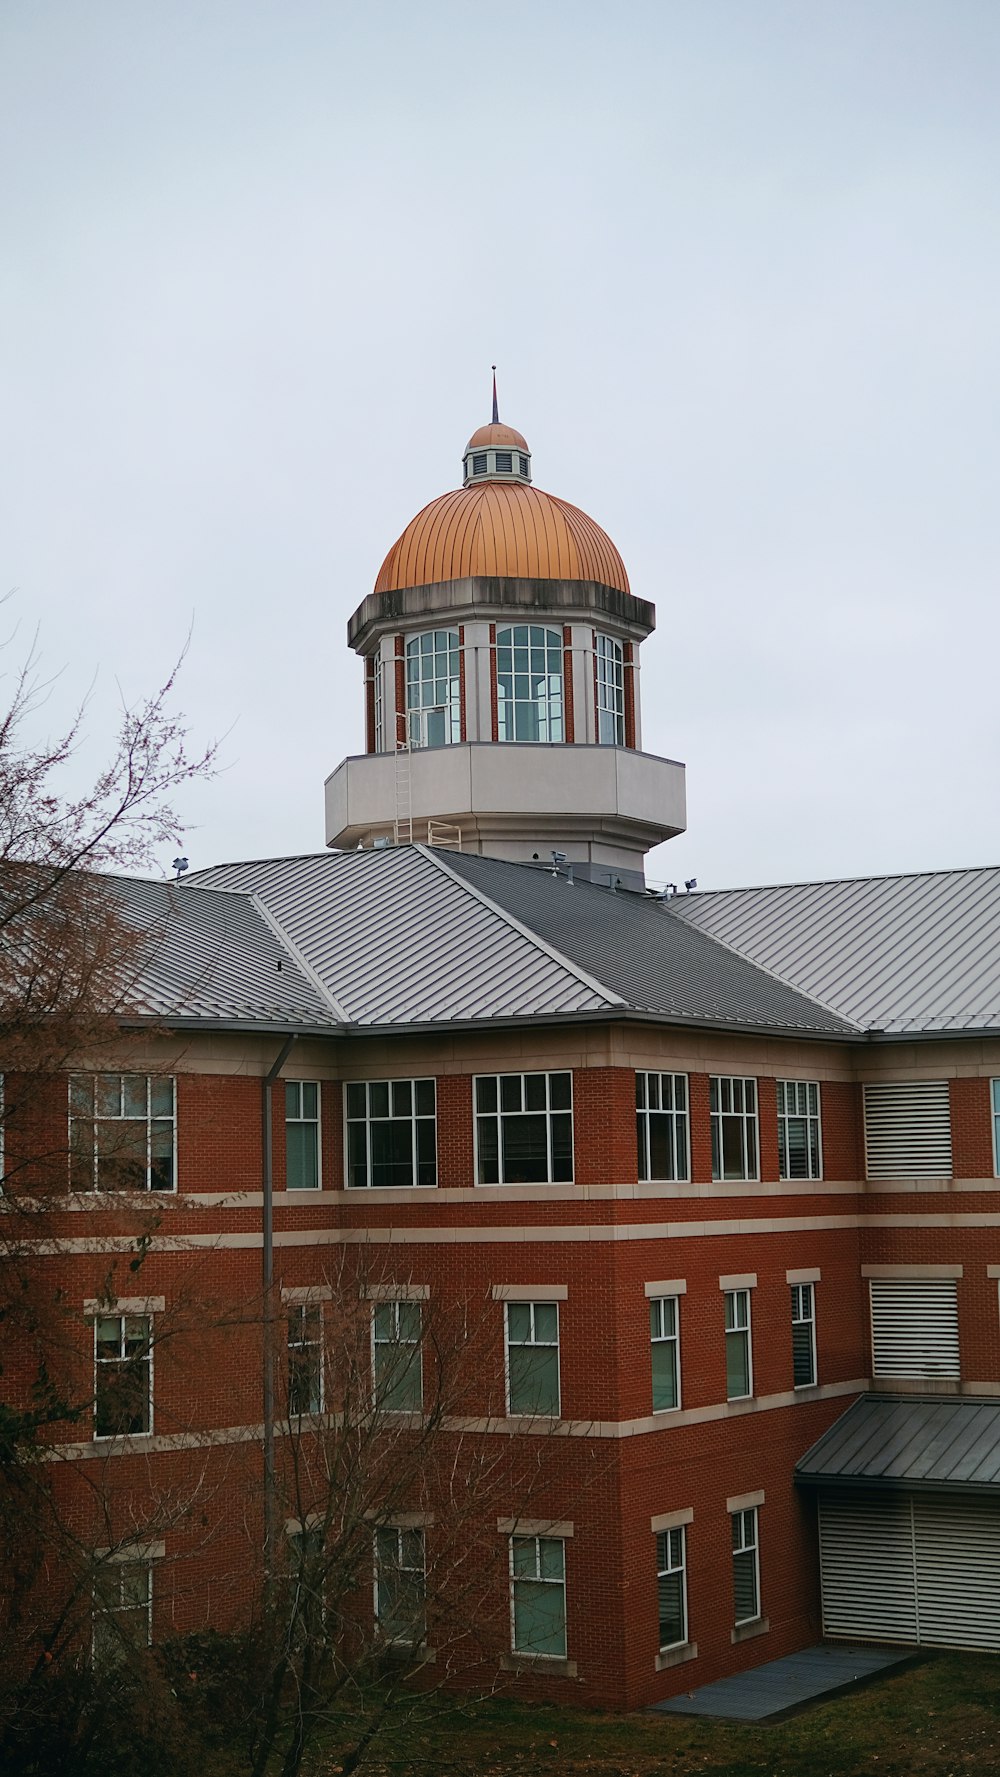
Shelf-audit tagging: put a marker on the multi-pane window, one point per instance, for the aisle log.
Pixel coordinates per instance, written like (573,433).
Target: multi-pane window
(302,1135)
(995,1092)
(739,1356)
(529,683)
(733,1106)
(665,1343)
(533,1358)
(400,1583)
(800,1152)
(538,1595)
(307,1576)
(305,1359)
(391,1136)
(661,1121)
(123,1610)
(433,695)
(671,1586)
(396,1330)
(123,1375)
(524,1129)
(122,1132)
(610,692)
(746,1566)
(803,1335)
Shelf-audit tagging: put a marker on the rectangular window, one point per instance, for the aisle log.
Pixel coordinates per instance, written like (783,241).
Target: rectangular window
(524,1129)
(533,1358)
(665,1341)
(123,1611)
(380,746)
(400,1584)
(746,1566)
(908,1130)
(307,1579)
(915,1326)
(305,1359)
(661,1118)
(739,1356)
(123,1375)
(538,1595)
(671,1585)
(733,1106)
(302,1135)
(803,1335)
(122,1133)
(800,1152)
(995,1094)
(399,1370)
(391,1133)
(610,692)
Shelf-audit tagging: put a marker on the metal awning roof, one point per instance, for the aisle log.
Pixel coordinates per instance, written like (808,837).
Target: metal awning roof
(909,1443)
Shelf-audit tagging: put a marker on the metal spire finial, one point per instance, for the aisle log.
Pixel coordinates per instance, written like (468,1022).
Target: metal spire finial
(496,415)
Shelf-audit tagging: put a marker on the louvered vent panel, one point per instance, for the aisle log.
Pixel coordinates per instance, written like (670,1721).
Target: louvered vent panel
(914,1327)
(958,1572)
(908,1130)
(866,1568)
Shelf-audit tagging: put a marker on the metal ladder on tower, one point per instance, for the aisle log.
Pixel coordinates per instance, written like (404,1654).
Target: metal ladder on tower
(402,825)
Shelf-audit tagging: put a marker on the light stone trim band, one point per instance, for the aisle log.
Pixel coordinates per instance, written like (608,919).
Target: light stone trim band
(740,1280)
(529,1292)
(401,1520)
(534,1527)
(676,1286)
(917,1271)
(397,1292)
(672,1520)
(744,1502)
(92,1307)
(809,1274)
(153,1551)
(308,1292)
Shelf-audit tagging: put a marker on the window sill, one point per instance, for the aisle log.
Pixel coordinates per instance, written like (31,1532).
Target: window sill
(408,1653)
(550,1664)
(676,1656)
(748,1631)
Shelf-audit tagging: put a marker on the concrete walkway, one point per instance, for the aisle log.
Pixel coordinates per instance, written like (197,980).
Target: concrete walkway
(768,1693)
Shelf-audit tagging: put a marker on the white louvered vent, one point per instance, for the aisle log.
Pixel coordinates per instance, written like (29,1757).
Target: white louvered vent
(866,1566)
(914,1326)
(908,1130)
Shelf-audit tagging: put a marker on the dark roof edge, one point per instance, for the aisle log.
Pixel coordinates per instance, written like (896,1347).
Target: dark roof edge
(892,1484)
(514,1021)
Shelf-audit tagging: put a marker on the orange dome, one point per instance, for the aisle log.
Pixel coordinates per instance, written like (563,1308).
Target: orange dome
(501,528)
(497,434)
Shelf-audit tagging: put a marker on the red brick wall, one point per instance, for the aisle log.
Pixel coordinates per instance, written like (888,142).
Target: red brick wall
(971,1129)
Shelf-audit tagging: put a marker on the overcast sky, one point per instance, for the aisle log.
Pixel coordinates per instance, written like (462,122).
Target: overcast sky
(739,264)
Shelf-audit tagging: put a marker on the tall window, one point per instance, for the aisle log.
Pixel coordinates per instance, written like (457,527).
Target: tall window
(302,1135)
(307,1565)
(378,703)
(123,1610)
(524,1129)
(533,1358)
(995,1091)
(610,693)
(305,1359)
(739,1353)
(746,1566)
(671,1586)
(800,1153)
(123,1375)
(399,1375)
(391,1138)
(733,1106)
(433,697)
(529,683)
(538,1595)
(122,1129)
(400,1584)
(803,1335)
(661,1118)
(665,1344)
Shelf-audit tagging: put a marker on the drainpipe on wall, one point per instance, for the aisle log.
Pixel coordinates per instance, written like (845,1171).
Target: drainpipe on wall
(268,1285)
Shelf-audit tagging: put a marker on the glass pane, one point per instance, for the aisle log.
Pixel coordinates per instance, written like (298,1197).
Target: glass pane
(392,1153)
(802,1355)
(487,1136)
(357,1154)
(534,1379)
(402,1098)
(525,1150)
(664,1376)
(524,1556)
(409,1321)
(109,1334)
(426,1153)
(355,1100)
(534,1092)
(539,1617)
(671,1601)
(745,1586)
(518,1322)
(378,1098)
(560,1091)
(546,1323)
(161,1167)
(562,1147)
(310,1098)
(134,1095)
(510,1092)
(737,1366)
(161,1098)
(424,1090)
(109,1095)
(486,1093)
(302,1156)
(551,1563)
(398,1373)
(81,1094)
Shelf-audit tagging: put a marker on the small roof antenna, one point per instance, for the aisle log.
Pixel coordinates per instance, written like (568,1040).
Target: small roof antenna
(180,865)
(558,857)
(691,882)
(496,413)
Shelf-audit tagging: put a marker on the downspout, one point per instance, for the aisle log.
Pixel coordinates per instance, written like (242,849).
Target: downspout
(268,1285)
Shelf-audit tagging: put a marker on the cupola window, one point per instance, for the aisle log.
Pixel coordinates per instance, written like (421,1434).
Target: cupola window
(505,462)
(610,692)
(522,464)
(433,694)
(479,463)
(529,683)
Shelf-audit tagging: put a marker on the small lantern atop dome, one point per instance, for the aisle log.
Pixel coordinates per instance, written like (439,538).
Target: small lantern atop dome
(496,452)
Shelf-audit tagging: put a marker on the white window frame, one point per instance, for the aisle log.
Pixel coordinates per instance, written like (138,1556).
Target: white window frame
(609,656)
(723,1107)
(103,1365)
(307,1319)
(400,1531)
(657,1305)
(796,1099)
(301,1121)
(82,1119)
(737,1300)
(538,1579)
(804,1315)
(745,1537)
(450,708)
(527,1345)
(413,1369)
(549,702)
(666,1543)
(995,1104)
(497,1116)
(650,1085)
(414,1117)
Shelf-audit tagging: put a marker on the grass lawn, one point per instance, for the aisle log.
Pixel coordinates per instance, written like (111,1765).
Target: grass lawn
(939,1719)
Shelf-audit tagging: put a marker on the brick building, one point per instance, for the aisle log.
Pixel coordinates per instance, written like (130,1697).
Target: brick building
(717,1173)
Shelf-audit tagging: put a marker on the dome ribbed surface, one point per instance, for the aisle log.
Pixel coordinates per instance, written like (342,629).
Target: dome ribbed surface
(496,433)
(501,529)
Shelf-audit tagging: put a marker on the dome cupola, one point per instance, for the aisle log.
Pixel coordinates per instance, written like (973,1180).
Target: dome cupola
(496,452)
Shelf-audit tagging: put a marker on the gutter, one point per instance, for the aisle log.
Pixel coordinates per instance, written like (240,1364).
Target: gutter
(267,1245)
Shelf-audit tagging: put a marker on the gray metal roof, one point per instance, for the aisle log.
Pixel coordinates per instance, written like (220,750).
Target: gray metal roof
(909,1442)
(891,953)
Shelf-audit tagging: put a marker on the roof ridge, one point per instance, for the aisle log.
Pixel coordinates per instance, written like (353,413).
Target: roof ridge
(761,888)
(511,920)
(764,969)
(274,925)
